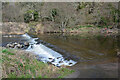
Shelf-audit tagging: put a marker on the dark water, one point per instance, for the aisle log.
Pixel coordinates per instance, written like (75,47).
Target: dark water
(12,38)
(96,55)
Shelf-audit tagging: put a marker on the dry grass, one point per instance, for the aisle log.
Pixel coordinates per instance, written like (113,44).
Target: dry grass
(21,64)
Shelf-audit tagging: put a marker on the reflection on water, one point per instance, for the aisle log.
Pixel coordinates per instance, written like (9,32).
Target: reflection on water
(87,48)
(96,55)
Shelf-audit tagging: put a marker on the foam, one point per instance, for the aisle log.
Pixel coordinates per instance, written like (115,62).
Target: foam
(45,53)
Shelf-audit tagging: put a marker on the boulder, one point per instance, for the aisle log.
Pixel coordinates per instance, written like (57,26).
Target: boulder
(70,63)
(60,61)
(10,45)
(15,43)
(53,60)
(50,58)
(58,57)
(19,46)
(26,43)
(58,66)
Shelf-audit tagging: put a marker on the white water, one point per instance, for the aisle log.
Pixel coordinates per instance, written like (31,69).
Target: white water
(45,53)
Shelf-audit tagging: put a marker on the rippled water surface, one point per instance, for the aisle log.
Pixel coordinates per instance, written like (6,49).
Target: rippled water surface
(96,55)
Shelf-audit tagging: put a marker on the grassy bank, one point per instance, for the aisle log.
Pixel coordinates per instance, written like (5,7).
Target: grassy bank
(21,64)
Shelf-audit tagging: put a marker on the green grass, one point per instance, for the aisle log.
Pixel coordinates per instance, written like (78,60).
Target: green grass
(64,72)
(7,52)
(24,65)
(107,26)
(80,26)
(88,26)
(85,26)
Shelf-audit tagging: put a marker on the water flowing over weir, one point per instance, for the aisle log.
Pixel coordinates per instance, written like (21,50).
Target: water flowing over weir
(46,54)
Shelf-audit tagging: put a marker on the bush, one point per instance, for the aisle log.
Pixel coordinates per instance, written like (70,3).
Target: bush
(31,15)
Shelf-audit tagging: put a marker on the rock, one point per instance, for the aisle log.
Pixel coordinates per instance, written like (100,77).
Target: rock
(10,35)
(50,58)
(26,43)
(70,63)
(12,45)
(31,46)
(38,43)
(53,60)
(8,45)
(60,61)
(58,66)
(15,43)
(53,64)
(58,57)
(19,46)
(25,47)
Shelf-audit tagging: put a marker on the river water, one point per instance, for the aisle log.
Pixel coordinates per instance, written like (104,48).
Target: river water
(95,55)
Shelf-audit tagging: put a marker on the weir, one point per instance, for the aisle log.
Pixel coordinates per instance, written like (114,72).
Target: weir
(46,54)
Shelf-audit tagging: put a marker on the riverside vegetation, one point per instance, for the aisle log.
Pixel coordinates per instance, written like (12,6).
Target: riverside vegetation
(75,17)
(40,18)
(21,64)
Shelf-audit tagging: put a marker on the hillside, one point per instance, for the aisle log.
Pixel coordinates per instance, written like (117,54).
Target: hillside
(60,17)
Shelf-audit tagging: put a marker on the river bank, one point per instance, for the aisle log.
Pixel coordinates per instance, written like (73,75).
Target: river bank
(88,49)
(22,64)
(38,28)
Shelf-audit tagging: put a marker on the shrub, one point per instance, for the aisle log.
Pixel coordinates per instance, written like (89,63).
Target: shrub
(30,15)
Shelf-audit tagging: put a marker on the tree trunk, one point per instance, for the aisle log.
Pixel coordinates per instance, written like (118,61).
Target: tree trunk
(118,26)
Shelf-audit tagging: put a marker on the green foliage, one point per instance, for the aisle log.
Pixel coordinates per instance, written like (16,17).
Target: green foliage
(7,52)
(25,76)
(54,12)
(84,26)
(103,21)
(31,15)
(114,12)
(12,75)
(81,5)
(64,72)
(27,17)
(99,26)
(39,76)
(36,16)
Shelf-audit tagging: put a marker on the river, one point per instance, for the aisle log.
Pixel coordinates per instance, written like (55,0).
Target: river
(95,55)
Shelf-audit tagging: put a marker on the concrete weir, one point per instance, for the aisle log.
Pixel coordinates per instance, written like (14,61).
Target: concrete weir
(46,54)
